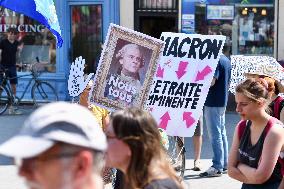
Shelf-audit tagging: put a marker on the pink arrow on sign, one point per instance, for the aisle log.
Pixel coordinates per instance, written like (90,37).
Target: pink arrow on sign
(201,75)
(181,69)
(188,119)
(160,72)
(164,120)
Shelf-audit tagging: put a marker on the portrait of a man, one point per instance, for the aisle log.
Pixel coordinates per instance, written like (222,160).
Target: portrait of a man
(127,72)
(131,59)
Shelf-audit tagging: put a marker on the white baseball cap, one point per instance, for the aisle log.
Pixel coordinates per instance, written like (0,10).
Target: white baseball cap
(56,122)
(270,70)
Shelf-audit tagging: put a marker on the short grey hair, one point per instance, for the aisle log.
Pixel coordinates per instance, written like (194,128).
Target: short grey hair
(121,52)
(98,156)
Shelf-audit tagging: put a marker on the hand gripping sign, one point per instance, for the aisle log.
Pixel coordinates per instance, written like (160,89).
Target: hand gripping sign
(182,80)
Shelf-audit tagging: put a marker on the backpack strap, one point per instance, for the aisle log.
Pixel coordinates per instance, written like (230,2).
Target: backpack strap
(241,128)
(243,123)
(270,123)
(278,105)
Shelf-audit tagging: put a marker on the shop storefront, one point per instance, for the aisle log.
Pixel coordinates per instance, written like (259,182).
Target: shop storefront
(248,24)
(84,26)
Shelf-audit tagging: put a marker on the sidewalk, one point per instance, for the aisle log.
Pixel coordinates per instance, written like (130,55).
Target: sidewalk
(10,125)
(196,182)
(26,109)
(192,177)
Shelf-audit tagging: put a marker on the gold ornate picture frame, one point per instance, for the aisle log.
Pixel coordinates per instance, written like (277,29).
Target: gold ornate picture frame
(126,69)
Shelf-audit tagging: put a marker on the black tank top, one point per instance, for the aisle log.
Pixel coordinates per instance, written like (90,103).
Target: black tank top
(250,154)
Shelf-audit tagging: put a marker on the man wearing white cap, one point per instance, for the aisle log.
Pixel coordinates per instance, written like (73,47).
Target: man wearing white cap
(60,146)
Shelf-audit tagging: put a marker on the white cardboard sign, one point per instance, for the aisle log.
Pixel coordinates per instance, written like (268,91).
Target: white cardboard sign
(182,80)
(244,64)
(76,80)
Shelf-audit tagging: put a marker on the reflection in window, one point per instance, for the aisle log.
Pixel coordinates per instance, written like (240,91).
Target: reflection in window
(213,26)
(37,41)
(256,30)
(250,33)
(86,37)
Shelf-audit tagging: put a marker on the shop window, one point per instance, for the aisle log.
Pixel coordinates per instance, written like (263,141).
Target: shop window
(251,32)
(86,36)
(212,26)
(38,42)
(256,30)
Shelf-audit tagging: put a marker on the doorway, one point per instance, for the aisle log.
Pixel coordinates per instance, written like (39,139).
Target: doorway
(156,16)
(155,25)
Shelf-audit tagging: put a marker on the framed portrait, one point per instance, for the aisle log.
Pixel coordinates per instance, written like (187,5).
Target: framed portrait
(126,69)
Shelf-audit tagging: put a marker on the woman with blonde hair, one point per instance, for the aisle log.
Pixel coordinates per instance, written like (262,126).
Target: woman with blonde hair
(258,138)
(134,147)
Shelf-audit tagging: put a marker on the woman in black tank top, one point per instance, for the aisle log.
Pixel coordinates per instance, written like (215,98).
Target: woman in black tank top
(257,142)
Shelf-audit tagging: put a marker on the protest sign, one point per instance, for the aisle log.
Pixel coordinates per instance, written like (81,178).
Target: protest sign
(182,80)
(77,82)
(126,68)
(252,64)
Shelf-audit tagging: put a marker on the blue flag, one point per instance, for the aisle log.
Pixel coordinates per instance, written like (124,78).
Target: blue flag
(41,10)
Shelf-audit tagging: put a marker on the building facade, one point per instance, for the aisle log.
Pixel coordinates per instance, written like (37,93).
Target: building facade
(252,27)
(249,25)
(84,25)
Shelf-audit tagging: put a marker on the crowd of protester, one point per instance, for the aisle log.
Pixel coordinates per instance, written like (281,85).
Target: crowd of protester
(65,145)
